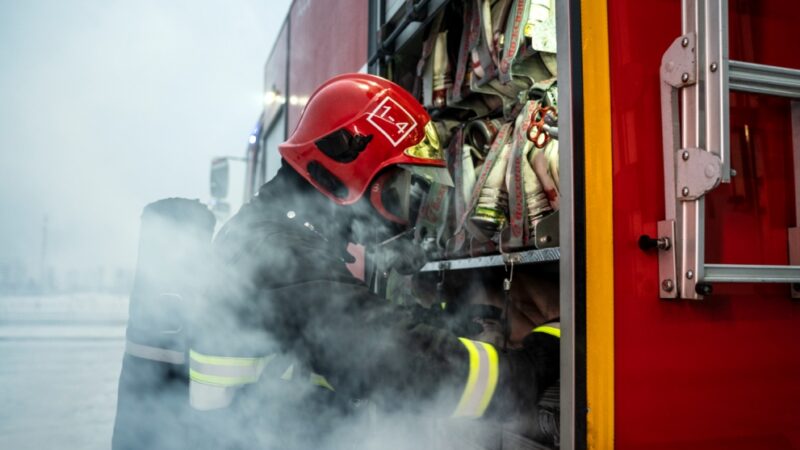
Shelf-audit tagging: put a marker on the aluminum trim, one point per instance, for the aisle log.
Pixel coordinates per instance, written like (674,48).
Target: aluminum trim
(796,152)
(715,74)
(567,12)
(764,79)
(794,233)
(690,218)
(676,61)
(741,273)
(526,257)
(667,263)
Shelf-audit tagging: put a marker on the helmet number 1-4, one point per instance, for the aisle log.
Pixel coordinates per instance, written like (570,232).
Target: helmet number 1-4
(392,120)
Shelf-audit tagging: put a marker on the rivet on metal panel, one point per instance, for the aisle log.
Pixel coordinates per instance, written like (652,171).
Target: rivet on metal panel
(713,67)
(667,285)
(679,62)
(685,155)
(689,274)
(698,174)
(733,172)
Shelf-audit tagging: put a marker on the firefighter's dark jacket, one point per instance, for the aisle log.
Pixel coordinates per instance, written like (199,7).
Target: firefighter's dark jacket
(281,288)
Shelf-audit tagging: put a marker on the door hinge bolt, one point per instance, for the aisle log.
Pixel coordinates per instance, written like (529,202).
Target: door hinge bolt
(685,42)
(667,285)
(689,274)
(685,191)
(713,67)
(685,155)
(685,77)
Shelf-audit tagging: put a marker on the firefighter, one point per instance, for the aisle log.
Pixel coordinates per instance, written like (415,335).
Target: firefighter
(289,345)
(153,385)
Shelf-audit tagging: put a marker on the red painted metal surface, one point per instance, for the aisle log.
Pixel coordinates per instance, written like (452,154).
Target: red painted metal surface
(327,38)
(723,373)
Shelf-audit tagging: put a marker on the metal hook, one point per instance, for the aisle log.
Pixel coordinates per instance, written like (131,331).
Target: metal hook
(504,318)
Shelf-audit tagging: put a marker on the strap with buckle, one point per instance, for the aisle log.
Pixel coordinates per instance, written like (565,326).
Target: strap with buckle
(515,181)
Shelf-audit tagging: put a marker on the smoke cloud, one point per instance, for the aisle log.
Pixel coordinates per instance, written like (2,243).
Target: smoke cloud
(268,293)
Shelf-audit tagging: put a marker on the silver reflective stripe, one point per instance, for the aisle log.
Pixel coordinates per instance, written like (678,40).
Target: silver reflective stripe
(481,381)
(205,397)
(214,380)
(154,353)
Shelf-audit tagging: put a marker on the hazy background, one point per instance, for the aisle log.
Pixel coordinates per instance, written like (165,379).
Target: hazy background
(106,106)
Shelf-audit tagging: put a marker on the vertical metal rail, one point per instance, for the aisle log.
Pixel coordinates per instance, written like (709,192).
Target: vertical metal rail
(794,233)
(690,216)
(715,76)
(572,263)
(373,25)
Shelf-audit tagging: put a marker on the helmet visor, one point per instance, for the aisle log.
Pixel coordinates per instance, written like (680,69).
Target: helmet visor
(398,194)
(429,147)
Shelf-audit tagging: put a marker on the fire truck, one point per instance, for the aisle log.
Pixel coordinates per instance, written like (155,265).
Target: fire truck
(676,239)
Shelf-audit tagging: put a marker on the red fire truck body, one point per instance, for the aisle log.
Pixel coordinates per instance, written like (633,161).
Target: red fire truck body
(639,369)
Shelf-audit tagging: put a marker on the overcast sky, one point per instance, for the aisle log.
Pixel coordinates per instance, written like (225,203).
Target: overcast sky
(108,105)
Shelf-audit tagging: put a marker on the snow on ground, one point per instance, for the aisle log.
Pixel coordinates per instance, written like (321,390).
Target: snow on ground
(60,358)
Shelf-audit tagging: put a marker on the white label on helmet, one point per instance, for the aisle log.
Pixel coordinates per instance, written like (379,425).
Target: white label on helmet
(392,120)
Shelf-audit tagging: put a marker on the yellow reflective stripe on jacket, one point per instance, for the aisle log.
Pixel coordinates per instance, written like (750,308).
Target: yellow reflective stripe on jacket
(288,373)
(225,371)
(318,380)
(482,379)
(223,360)
(547,329)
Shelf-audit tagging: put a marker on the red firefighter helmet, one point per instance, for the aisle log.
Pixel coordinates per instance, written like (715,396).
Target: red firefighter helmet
(355,126)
